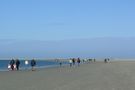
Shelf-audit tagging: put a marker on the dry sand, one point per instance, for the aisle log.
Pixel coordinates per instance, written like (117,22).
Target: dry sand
(94,76)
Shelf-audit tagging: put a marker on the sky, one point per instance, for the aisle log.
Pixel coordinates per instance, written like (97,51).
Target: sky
(64,20)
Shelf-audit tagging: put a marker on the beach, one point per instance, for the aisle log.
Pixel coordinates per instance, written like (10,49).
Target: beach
(118,75)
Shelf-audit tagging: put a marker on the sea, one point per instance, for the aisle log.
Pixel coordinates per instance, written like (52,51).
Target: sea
(39,64)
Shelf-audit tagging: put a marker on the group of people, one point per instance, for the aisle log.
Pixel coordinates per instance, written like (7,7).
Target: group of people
(106,60)
(15,64)
(73,61)
(89,60)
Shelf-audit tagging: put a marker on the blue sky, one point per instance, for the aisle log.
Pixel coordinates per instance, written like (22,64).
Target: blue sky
(53,20)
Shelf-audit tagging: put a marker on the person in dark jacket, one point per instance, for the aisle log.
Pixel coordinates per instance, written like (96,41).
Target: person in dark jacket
(73,60)
(78,61)
(105,60)
(12,62)
(33,64)
(17,64)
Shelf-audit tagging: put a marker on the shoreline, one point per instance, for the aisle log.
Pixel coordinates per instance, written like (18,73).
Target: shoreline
(40,64)
(63,65)
(36,67)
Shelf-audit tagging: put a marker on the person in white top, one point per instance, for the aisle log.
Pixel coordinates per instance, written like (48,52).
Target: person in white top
(26,63)
(70,62)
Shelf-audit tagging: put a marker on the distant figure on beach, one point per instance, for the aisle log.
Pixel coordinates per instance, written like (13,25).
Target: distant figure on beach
(73,61)
(108,60)
(12,62)
(70,62)
(60,63)
(33,64)
(26,62)
(78,61)
(90,60)
(17,64)
(105,60)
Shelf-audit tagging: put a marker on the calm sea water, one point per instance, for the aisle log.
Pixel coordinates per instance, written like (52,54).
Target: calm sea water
(40,64)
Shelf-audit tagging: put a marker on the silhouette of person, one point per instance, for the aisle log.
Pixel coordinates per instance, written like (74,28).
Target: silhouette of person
(73,60)
(105,60)
(70,62)
(12,62)
(17,64)
(33,64)
(60,63)
(78,61)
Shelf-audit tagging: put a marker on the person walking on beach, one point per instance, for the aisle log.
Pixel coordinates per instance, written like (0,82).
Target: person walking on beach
(108,60)
(12,62)
(70,62)
(17,64)
(73,61)
(105,60)
(60,63)
(33,64)
(78,61)
(26,63)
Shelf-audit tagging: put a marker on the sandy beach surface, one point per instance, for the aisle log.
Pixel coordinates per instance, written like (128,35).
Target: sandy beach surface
(94,76)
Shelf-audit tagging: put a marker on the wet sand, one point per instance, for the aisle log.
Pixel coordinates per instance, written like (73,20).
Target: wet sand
(94,76)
